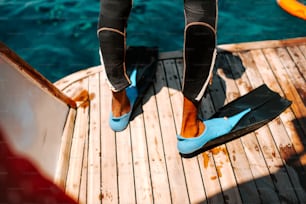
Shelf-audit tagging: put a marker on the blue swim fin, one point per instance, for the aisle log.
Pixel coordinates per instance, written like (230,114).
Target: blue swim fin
(120,123)
(264,105)
(215,128)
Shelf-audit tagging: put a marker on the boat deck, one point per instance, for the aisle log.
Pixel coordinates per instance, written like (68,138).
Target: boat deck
(142,164)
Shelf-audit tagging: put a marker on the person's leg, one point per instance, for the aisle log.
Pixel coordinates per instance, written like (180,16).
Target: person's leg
(199,56)
(191,126)
(112,37)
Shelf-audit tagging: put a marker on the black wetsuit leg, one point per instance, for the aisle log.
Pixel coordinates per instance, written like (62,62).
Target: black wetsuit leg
(112,37)
(199,46)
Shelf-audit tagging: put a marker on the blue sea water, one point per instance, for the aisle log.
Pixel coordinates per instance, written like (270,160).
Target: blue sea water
(58,37)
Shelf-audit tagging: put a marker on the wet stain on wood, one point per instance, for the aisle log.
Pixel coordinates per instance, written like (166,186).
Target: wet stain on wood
(101,196)
(85,104)
(219,170)
(92,96)
(286,151)
(205,159)
(234,158)
(106,195)
(213,177)
(81,96)
(215,151)
(155,142)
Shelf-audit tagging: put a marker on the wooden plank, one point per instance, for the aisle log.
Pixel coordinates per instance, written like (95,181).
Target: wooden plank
(260,170)
(191,166)
(256,160)
(262,44)
(72,89)
(243,173)
(142,178)
(94,149)
(206,161)
(266,141)
(126,182)
(12,58)
(226,175)
(299,59)
(173,160)
(237,81)
(276,126)
(220,93)
(77,93)
(151,149)
(288,87)
(109,180)
(210,177)
(84,175)
(289,91)
(245,46)
(296,141)
(77,149)
(170,55)
(303,49)
(293,73)
(232,150)
(77,76)
(210,174)
(159,177)
(64,154)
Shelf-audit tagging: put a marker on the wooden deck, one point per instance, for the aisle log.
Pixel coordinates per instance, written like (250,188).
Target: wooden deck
(142,164)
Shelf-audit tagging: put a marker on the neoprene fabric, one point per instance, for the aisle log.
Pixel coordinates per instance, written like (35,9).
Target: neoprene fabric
(144,59)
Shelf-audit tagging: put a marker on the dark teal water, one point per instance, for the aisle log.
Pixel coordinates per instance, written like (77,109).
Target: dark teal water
(58,37)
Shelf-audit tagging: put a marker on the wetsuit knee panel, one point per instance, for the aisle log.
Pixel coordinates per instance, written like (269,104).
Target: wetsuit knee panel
(201,11)
(114,13)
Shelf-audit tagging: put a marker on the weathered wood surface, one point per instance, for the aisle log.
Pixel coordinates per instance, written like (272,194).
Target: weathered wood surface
(142,165)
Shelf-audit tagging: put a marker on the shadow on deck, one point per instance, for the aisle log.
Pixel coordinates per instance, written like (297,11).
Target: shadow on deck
(142,165)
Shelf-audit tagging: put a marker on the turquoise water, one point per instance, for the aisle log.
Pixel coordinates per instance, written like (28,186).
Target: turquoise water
(58,37)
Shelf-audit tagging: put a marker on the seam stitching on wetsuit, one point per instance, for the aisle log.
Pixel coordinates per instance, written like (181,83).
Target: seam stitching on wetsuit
(104,73)
(200,95)
(110,29)
(200,23)
(102,61)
